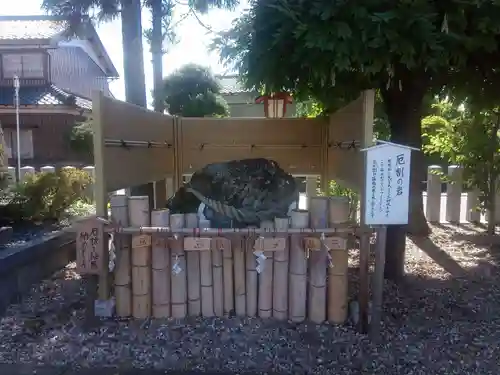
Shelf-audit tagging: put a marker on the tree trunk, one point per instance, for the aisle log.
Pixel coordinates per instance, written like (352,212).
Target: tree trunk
(404,110)
(493,176)
(133,68)
(491,205)
(133,59)
(157,54)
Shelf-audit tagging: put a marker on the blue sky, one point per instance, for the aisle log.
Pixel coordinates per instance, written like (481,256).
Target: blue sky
(192,47)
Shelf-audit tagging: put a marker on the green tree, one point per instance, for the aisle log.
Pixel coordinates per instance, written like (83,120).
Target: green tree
(193,91)
(471,139)
(78,12)
(332,50)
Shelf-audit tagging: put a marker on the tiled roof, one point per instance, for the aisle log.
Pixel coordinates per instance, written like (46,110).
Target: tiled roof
(42,96)
(231,85)
(25,28)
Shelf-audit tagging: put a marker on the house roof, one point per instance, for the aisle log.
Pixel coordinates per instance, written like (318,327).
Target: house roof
(231,84)
(30,27)
(42,96)
(52,30)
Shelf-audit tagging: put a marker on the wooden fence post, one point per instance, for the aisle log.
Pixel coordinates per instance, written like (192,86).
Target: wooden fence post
(298,268)
(123,277)
(139,215)
(178,265)
(338,262)
(280,277)
(160,266)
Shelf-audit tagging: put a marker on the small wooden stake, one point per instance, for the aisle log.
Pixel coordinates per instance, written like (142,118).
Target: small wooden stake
(337,289)
(218,244)
(123,269)
(227,267)
(317,264)
(280,277)
(297,292)
(378,284)
(265,294)
(206,278)
(364,282)
(160,267)
(139,215)
(238,248)
(251,280)
(178,285)
(193,269)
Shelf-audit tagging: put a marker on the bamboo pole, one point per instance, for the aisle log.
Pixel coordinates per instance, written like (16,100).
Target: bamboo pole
(178,265)
(141,258)
(251,276)
(122,272)
(160,266)
(298,269)
(280,278)
(238,246)
(265,296)
(317,263)
(227,263)
(206,278)
(337,271)
(217,274)
(193,272)
(338,230)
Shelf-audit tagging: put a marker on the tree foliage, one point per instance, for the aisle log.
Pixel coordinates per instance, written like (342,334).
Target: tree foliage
(406,49)
(193,91)
(80,138)
(470,139)
(97,11)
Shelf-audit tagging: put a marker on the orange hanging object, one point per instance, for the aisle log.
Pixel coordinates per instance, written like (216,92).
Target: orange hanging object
(275,104)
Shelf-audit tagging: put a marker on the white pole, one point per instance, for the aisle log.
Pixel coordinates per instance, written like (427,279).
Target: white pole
(18,131)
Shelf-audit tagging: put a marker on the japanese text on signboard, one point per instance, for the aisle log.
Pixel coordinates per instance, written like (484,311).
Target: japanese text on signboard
(387,185)
(89,247)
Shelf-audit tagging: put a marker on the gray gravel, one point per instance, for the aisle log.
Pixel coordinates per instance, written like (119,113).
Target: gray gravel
(434,324)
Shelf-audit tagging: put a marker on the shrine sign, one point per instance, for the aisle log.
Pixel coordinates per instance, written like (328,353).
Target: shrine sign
(387,184)
(91,245)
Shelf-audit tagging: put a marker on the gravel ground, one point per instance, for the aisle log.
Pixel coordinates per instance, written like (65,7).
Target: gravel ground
(435,324)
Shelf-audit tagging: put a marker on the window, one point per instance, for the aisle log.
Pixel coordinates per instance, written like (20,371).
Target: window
(24,65)
(25,140)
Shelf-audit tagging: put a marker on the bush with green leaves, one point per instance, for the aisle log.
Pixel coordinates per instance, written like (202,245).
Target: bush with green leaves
(45,196)
(337,190)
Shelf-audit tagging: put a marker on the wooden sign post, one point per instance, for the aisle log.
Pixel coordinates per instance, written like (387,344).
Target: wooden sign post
(91,245)
(386,199)
(91,248)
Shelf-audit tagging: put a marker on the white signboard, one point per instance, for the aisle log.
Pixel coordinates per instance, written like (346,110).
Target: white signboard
(387,184)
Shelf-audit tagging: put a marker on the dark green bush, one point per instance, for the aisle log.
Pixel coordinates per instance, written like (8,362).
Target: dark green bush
(46,196)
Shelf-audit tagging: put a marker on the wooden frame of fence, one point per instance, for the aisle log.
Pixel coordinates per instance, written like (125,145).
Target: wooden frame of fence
(161,146)
(160,274)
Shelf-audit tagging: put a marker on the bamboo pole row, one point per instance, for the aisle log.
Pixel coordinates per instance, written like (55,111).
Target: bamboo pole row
(276,273)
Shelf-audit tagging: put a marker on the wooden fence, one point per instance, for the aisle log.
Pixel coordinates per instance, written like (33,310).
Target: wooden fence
(287,271)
